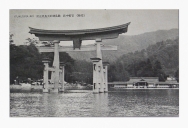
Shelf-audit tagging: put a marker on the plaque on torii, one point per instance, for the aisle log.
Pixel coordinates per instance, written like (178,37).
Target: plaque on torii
(99,79)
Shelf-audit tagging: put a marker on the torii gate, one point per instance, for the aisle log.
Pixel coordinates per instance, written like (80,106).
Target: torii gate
(99,74)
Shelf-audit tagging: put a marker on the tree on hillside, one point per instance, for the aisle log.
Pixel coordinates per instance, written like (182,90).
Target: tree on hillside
(25,62)
(158,72)
(83,71)
(145,69)
(33,41)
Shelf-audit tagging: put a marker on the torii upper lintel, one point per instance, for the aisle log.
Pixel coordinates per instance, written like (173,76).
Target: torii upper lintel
(79,35)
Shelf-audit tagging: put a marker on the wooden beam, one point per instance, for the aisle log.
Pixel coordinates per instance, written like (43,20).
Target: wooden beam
(83,48)
(53,69)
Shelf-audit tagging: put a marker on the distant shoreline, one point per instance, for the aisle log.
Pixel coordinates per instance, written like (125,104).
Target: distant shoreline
(143,88)
(20,89)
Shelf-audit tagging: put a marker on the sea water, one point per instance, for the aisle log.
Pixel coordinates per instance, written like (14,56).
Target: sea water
(115,103)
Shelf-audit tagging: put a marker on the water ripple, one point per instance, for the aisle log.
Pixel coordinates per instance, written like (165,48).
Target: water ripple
(129,103)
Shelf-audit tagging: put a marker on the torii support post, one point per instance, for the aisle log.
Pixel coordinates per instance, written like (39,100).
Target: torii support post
(96,80)
(100,66)
(45,74)
(62,74)
(105,66)
(55,75)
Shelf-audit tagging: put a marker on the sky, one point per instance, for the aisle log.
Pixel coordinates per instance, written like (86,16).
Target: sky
(141,21)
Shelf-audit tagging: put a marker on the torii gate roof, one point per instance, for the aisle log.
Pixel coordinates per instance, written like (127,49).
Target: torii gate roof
(84,34)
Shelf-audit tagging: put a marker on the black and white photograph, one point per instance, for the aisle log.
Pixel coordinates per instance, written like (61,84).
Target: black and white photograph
(94,63)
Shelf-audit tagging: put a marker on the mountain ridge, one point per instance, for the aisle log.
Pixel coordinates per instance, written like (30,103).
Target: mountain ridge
(129,43)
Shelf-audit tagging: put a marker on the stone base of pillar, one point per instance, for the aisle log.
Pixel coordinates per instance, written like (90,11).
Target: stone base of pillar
(101,90)
(105,90)
(61,90)
(45,90)
(54,90)
(95,91)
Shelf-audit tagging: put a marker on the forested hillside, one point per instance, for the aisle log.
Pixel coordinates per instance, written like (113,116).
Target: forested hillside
(159,60)
(127,44)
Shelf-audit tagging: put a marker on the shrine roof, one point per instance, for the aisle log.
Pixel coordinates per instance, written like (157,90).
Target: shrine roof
(121,28)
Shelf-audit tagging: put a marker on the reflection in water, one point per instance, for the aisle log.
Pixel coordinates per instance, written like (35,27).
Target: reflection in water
(112,104)
(100,105)
(49,104)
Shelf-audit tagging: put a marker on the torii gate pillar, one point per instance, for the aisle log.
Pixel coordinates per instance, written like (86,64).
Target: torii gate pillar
(45,74)
(105,66)
(55,75)
(62,74)
(99,81)
(100,66)
(96,76)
